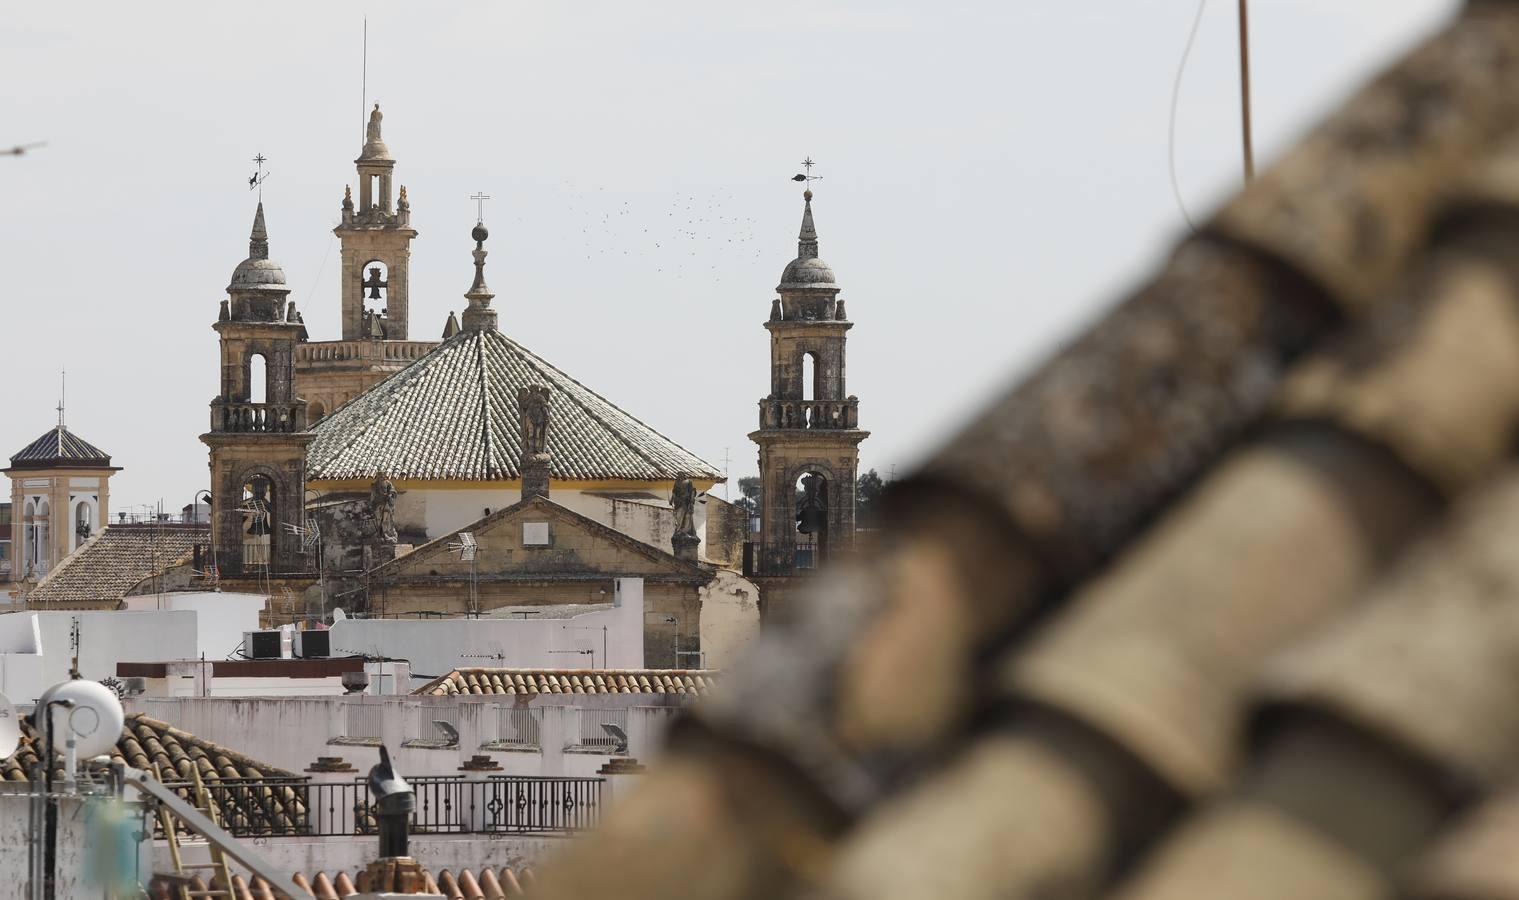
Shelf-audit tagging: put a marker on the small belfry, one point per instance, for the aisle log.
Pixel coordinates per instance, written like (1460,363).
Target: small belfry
(376,240)
(375,235)
(809,431)
(258,432)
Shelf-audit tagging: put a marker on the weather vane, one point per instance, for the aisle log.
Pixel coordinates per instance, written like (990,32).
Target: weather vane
(479,197)
(809,177)
(257,179)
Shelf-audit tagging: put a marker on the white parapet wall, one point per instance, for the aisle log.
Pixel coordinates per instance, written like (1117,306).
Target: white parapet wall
(607,638)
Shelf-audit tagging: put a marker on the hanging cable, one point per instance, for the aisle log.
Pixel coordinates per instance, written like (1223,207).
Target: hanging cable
(1181,69)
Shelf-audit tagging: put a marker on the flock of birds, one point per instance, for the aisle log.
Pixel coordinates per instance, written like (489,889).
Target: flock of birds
(690,234)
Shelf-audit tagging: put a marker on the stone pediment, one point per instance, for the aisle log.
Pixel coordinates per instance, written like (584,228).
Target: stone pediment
(539,540)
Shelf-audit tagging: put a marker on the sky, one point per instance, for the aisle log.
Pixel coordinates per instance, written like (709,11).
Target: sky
(994,175)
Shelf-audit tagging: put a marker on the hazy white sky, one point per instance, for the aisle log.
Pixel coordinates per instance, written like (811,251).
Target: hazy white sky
(994,173)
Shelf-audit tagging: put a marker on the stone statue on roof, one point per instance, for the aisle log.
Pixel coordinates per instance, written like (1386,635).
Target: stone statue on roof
(373,132)
(382,505)
(683,499)
(534,400)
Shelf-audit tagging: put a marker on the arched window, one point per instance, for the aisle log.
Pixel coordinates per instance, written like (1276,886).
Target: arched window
(810,376)
(83,521)
(42,552)
(315,410)
(258,379)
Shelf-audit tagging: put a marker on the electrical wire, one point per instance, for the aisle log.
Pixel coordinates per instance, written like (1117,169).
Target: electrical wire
(1181,70)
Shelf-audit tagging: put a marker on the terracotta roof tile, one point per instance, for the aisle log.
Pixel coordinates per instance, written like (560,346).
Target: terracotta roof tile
(453,414)
(115,560)
(478,883)
(571,681)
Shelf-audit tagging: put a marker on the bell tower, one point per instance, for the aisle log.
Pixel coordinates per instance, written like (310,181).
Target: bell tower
(376,245)
(258,432)
(809,431)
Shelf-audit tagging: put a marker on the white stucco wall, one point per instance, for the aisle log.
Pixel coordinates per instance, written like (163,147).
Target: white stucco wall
(291,732)
(106,638)
(730,619)
(437,646)
(220,620)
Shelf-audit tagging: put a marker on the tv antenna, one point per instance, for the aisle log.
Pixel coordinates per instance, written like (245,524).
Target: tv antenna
(469,551)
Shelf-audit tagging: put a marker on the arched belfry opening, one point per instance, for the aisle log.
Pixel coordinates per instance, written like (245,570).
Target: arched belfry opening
(258,378)
(812,520)
(809,431)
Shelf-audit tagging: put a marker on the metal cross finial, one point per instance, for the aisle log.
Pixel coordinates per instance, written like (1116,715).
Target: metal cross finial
(256,180)
(807,164)
(479,197)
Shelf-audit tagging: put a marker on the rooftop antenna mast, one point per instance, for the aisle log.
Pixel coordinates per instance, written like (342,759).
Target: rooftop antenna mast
(469,549)
(1244,88)
(364,86)
(63,391)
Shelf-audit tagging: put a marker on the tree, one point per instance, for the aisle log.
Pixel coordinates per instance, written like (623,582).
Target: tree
(867,500)
(749,487)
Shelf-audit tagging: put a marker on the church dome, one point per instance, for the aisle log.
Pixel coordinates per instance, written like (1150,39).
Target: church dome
(257,274)
(807,272)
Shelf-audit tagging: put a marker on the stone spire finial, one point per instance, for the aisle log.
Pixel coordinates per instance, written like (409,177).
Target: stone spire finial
(807,240)
(478,316)
(258,240)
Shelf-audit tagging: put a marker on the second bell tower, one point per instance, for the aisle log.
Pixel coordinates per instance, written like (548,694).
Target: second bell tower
(376,237)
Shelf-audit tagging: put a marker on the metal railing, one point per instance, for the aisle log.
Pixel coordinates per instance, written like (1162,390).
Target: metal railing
(590,734)
(781,559)
(363,720)
(297,807)
(521,726)
(427,715)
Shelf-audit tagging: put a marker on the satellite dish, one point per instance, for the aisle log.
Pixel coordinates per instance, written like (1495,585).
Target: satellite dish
(338,615)
(95,718)
(10,728)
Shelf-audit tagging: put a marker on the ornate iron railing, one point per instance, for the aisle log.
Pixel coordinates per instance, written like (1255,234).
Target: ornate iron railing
(782,559)
(298,807)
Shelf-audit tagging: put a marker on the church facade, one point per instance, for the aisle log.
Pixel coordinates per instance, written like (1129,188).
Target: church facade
(456,478)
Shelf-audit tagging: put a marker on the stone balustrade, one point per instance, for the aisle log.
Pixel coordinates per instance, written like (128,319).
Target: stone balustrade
(831,414)
(362,351)
(258,418)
